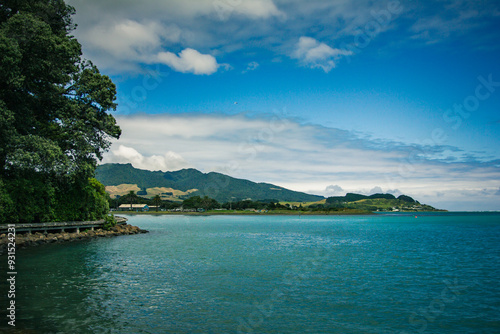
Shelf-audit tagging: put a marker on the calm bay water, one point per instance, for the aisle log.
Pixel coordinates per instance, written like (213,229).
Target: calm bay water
(265,274)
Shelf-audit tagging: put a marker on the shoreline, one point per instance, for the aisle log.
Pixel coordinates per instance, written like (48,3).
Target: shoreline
(278,213)
(241,213)
(25,240)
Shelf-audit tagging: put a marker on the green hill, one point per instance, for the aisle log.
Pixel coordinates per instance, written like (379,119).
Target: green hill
(350,197)
(192,182)
(378,202)
(119,179)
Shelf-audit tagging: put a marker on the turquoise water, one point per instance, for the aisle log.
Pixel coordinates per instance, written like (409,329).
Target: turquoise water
(266,274)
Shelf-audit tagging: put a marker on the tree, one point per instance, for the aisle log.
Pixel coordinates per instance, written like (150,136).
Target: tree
(197,202)
(54,120)
(157,201)
(209,203)
(131,198)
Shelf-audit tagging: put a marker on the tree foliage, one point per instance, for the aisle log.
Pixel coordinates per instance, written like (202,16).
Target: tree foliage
(197,202)
(54,120)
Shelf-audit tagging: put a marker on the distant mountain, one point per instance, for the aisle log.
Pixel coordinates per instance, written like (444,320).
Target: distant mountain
(119,179)
(378,202)
(350,197)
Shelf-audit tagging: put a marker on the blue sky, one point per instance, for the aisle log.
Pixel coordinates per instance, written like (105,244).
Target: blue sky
(325,97)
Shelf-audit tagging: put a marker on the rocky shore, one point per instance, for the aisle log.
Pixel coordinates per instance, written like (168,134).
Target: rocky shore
(27,240)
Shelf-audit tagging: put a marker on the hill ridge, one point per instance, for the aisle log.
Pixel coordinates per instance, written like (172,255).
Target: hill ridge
(178,185)
(218,186)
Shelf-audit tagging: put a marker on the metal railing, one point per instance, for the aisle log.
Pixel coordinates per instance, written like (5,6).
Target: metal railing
(73,226)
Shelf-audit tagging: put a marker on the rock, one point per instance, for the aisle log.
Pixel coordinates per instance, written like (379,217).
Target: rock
(38,238)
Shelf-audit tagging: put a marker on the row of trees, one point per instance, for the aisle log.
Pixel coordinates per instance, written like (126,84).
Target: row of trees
(54,120)
(133,198)
(195,202)
(206,203)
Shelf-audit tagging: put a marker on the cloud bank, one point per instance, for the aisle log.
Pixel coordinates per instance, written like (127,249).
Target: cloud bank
(170,161)
(123,36)
(310,158)
(129,43)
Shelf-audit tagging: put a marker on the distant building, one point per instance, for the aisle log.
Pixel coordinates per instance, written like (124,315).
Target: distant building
(134,207)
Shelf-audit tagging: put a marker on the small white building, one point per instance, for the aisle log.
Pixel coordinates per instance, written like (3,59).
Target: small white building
(133,207)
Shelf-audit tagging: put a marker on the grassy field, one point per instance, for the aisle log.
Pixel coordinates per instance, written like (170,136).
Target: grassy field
(304,204)
(169,194)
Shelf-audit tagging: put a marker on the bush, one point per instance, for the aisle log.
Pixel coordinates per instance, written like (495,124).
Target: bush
(7,213)
(109,222)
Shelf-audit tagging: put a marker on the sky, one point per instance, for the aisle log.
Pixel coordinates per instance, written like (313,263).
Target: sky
(324,97)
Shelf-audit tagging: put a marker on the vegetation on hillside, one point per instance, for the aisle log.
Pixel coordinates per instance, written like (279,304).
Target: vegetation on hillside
(218,186)
(228,193)
(54,121)
(377,202)
(380,202)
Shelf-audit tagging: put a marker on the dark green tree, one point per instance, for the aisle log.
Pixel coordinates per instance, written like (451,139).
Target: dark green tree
(54,120)
(131,198)
(197,202)
(157,201)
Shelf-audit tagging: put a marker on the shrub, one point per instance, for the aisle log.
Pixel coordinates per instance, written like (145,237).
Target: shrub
(109,222)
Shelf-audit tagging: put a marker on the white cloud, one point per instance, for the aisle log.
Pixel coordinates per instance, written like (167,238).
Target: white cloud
(259,9)
(180,9)
(252,66)
(318,55)
(189,61)
(376,190)
(301,157)
(170,161)
(122,37)
(122,44)
(130,42)
(129,38)
(335,190)
(460,18)
(395,192)
(254,9)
